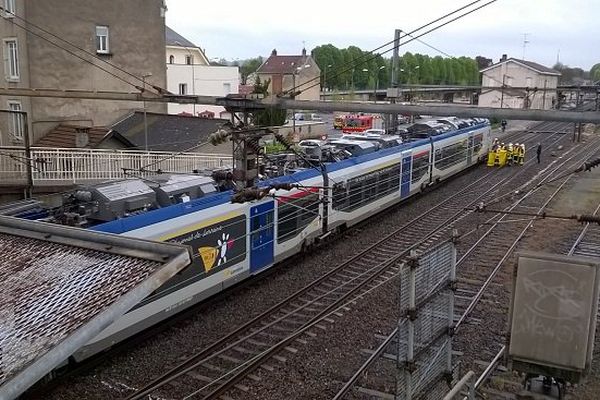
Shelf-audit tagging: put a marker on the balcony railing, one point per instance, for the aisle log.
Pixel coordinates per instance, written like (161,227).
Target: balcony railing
(56,166)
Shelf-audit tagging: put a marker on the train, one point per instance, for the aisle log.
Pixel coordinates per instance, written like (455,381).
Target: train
(232,241)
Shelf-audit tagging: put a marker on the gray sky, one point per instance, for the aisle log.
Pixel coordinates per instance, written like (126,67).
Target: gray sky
(241,29)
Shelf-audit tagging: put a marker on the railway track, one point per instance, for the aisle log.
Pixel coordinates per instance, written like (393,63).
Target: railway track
(223,365)
(477,267)
(482,300)
(587,243)
(57,380)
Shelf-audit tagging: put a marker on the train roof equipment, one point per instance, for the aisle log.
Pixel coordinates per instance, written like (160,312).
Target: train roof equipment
(354,147)
(61,286)
(385,141)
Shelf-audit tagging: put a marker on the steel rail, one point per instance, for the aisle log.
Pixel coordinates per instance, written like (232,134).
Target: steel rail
(298,293)
(582,234)
(256,363)
(494,272)
(200,357)
(348,385)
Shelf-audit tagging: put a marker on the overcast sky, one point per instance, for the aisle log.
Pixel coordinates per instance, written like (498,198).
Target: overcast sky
(241,29)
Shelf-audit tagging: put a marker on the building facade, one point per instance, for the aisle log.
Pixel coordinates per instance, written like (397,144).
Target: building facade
(520,84)
(286,72)
(70,45)
(189,72)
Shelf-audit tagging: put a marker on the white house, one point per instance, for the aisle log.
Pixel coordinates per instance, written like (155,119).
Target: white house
(189,73)
(521,84)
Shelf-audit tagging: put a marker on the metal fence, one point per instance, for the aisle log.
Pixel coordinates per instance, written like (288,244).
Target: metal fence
(56,166)
(427,307)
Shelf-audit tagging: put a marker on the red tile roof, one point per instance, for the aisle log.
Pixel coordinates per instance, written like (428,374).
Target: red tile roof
(281,64)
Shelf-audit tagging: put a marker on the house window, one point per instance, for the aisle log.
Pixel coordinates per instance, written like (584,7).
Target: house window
(11,57)
(102,39)
(227,88)
(189,60)
(171,59)
(9,8)
(16,126)
(183,89)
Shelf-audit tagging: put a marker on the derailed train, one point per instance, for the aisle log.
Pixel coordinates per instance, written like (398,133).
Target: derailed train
(232,241)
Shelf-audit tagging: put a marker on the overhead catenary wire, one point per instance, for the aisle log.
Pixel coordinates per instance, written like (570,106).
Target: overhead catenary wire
(357,62)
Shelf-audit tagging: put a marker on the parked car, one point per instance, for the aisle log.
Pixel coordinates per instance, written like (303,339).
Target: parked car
(374,131)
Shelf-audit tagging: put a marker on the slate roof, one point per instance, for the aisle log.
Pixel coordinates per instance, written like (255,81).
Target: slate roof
(175,39)
(528,64)
(167,132)
(281,64)
(65,136)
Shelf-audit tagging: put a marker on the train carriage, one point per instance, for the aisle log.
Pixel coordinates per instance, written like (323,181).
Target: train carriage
(230,242)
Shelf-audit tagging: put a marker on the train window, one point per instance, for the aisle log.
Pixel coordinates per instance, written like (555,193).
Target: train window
(450,155)
(340,196)
(366,188)
(295,214)
(477,143)
(420,166)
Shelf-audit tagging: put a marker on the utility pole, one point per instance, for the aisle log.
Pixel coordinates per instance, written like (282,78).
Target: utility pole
(147,75)
(544,94)
(393,118)
(502,93)
(23,117)
(525,42)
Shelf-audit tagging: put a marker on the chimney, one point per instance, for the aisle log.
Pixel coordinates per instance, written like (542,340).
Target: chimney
(304,52)
(274,52)
(504,58)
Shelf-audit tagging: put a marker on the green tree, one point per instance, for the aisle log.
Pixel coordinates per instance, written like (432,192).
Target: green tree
(248,67)
(272,116)
(595,72)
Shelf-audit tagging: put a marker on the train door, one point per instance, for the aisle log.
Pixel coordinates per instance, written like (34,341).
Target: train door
(405,174)
(470,149)
(261,236)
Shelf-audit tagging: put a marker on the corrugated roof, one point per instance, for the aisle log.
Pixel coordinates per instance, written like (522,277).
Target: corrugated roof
(167,132)
(61,286)
(76,136)
(175,39)
(281,64)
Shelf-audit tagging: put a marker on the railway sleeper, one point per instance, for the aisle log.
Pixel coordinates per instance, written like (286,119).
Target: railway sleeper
(199,377)
(229,358)
(257,343)
(279,358)
(244,350)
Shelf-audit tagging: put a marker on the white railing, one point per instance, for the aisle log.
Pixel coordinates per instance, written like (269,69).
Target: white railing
(55,166)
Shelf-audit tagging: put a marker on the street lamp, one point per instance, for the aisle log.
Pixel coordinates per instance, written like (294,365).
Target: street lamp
(377,84)
(296,71)
(366,70)
(325,76)
(146,75)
